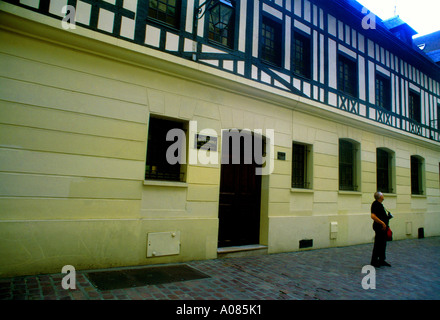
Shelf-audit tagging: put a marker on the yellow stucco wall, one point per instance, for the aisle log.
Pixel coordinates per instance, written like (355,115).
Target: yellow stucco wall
(73,144)
(312,211)
(73,139)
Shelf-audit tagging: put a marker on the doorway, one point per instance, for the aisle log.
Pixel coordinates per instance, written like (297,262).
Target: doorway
(240,188)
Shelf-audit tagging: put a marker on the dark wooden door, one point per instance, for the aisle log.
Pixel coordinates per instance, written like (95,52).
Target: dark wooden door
(240,197)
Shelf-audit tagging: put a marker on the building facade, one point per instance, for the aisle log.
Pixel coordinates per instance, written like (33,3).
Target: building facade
(143,132)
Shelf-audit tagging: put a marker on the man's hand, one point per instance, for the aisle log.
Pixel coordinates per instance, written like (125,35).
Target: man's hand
(376,219)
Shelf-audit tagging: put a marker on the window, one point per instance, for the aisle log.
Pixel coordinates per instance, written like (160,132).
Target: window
(167,11)
(221,24)
(301,55)
(383,92)
(301,166)
(158,167)
(271,35)
(384,170)
(348,165)
(416,175)
(347,76)
(414,111)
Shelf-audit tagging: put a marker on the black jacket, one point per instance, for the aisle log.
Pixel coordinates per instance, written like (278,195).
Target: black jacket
(380,212)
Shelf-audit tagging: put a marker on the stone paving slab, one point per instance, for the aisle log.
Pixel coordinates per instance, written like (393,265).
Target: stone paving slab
(322,274)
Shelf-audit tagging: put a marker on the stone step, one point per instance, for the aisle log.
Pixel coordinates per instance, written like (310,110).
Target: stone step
(241,251)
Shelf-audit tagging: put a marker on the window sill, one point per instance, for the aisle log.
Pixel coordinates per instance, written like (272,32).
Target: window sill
(350,193)
(389,195)
(302,76)
(348,95)
(299,190)
(159,183)
(159,23)
(272,64)
(220,46)
(420,196)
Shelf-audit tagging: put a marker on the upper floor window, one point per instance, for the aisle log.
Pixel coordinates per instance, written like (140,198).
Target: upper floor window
(347,76)
(221,23)
(349,173)
(271,35)
(414,109)
(301,56)
(383,92)
(167,11)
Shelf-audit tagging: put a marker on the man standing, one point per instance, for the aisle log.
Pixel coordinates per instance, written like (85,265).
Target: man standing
(380,224)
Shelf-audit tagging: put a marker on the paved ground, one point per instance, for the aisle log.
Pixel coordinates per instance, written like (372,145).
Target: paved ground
(325,274)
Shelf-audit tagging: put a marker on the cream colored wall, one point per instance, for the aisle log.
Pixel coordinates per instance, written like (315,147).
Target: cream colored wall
(73,145)
(72,155)
(311,211)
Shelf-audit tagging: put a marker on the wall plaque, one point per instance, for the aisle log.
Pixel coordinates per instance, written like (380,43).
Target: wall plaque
(203,142)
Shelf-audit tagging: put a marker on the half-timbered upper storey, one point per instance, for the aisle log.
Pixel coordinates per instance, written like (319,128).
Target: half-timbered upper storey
(334,52)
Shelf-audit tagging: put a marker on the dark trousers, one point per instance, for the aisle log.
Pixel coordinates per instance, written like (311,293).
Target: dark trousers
(379,248)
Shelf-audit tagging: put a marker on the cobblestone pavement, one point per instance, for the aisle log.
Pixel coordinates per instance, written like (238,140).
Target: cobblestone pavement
(322,274)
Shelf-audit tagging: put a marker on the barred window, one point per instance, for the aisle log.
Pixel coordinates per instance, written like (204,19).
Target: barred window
(301,165)
(157,166)
(384,176)
(348,166)
(416,175)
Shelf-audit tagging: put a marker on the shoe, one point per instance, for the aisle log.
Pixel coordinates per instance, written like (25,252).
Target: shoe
(384,263)
(376,264)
